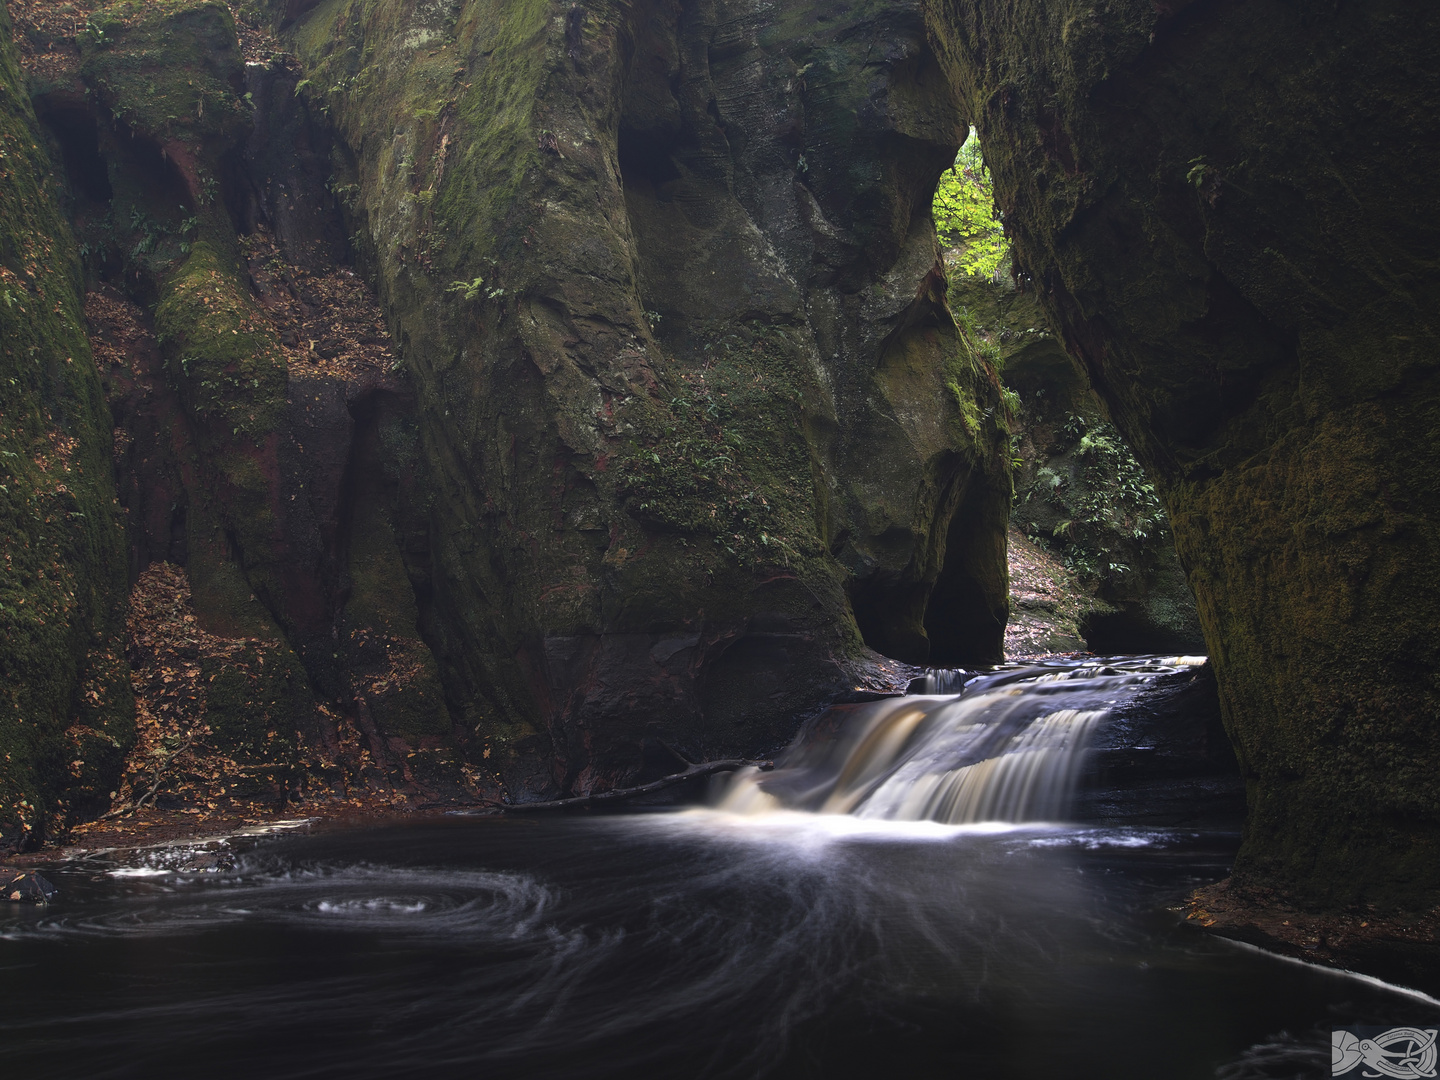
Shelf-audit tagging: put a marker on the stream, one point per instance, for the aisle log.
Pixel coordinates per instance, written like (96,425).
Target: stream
(812,922)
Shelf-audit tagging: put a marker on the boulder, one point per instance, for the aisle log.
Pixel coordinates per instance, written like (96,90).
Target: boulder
(25,887)
(1162,759)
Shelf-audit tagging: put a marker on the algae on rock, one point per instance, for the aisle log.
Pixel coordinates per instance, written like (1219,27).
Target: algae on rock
(66,712)
(1228,211)
(690,395)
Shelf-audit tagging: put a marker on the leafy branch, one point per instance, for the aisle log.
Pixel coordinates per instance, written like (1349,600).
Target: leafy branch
(965,214)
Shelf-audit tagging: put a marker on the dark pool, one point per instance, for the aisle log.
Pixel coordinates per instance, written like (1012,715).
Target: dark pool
(682,944)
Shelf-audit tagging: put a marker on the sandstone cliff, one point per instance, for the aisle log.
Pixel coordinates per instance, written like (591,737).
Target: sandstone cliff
(66,718)
(661,426)
(684,422)
(696,415)
(1227,209)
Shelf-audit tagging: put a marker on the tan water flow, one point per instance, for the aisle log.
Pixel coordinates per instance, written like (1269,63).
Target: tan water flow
(1009,746)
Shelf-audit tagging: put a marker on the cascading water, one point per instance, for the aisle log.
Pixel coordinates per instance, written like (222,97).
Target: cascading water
(699,942)
(1007,746)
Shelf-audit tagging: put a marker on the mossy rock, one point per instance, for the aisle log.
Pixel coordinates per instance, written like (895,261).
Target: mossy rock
(388,662)
(1256,311)
(171,69)
(222,353)
(257,704)
(638,389)
(63,584)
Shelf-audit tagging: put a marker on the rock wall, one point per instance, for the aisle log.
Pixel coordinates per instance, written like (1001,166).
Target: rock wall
(264,439)
(1079,491)
(698,423)
(667,431)
(66,714)
(686,422)
(1227,209)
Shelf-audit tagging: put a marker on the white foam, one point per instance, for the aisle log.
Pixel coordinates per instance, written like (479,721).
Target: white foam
(381,904)
(1343,973)
(139,871)
(275,826)
(801,828)
(1093,840)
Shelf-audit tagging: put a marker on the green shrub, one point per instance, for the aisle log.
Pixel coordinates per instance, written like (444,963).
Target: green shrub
(966,217)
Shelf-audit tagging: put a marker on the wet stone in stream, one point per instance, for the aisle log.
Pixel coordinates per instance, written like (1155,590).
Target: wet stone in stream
(25,887)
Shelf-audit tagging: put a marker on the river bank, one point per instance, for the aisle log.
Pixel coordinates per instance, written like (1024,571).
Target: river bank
(1398,947)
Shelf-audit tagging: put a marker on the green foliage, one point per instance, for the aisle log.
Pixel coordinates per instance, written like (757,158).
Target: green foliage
(980,343)
(715,465)
(965,214)
(1109,515)
(468,289)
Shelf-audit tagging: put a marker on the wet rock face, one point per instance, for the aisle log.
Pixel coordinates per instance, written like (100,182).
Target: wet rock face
(698,423)
(1162,759)
(1228,210)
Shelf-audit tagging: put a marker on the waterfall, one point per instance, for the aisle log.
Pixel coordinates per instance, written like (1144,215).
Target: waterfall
(1007,745)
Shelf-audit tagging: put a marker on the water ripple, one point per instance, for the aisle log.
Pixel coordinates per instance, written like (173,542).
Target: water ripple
(355,897)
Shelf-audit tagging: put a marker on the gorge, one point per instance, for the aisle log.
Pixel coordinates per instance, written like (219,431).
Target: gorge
(500,400)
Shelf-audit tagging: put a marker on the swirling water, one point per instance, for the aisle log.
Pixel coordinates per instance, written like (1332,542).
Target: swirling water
(701,942)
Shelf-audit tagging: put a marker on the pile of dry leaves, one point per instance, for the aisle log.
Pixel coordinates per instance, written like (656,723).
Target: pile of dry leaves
(46,33)
(174,755)
(329,322)
(1047,603)
(179,762)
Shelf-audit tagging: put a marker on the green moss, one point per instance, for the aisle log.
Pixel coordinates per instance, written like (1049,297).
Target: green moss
(167,67)
(500,105)
(723,457)
(222,354)
(630,429)
(1256,311)
(167,71)
(479,70)
(255,703)
(62,585)
(260,703)
(220,349)
(964,369)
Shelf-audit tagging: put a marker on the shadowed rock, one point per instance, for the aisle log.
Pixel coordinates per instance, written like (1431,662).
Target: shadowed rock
(1228,211)
(25,887)
(698,422)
